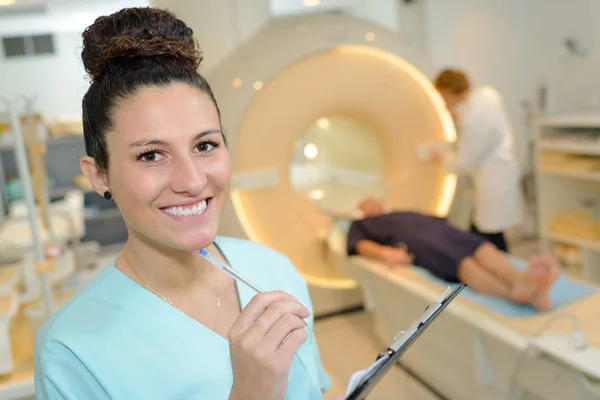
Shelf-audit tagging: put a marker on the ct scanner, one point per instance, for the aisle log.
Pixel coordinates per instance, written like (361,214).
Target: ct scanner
(300,70)
(306,68)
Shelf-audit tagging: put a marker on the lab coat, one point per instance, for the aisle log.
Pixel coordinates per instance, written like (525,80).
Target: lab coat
(485,150)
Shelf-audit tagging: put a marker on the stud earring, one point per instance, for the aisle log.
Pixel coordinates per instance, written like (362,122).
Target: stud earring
(107,195)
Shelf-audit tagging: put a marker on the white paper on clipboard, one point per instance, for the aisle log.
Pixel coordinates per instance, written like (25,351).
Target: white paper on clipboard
(358,375)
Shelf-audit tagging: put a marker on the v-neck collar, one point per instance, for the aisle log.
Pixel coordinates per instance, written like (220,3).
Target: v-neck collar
(238,262)
(144,301)
(235,261)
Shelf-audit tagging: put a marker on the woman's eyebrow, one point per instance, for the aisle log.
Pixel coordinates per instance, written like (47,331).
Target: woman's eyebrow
(146,142)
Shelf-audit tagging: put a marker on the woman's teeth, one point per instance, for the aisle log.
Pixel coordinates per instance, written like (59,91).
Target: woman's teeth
(196,209)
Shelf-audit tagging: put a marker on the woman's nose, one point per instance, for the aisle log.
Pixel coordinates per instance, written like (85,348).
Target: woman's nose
(187,176)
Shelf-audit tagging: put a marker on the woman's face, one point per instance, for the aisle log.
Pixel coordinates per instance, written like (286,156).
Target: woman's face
(169,170)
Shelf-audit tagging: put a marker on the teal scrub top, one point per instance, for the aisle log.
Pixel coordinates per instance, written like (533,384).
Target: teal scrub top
(116,340)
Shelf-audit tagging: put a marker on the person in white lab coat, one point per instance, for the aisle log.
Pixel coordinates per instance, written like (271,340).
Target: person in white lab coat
(485,150)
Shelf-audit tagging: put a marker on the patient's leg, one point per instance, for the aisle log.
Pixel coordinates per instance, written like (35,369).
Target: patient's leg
(530,287)
(481,280)
(496,262)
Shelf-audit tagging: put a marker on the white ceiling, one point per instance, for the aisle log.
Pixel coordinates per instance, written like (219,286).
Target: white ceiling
(34,3)
(23,4)
(283,7)
(280,5)
(57,15)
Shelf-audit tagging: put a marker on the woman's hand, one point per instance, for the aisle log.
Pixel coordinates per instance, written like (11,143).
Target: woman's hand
(260,361)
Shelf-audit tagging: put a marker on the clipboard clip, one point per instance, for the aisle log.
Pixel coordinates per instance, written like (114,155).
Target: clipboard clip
(362,382)
(403,336)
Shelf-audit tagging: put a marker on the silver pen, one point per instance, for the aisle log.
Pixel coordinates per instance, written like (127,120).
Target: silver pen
(213,260)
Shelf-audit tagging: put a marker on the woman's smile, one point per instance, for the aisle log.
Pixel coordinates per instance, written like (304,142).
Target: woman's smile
(189,211)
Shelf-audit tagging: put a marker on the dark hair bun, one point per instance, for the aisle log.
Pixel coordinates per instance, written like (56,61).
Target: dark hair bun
(137,32)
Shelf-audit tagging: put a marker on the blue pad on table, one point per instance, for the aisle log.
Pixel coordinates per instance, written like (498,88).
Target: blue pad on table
(564,290)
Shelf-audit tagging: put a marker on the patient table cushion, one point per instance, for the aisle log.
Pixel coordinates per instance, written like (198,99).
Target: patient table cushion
(568,296)
(564,290)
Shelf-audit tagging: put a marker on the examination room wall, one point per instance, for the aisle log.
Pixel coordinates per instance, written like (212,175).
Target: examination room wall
(62,72)
(46,75)
(220,26)
(517,46)
(65,68)
(511,44)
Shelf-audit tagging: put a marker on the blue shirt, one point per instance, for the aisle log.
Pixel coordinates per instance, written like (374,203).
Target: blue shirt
(116,340)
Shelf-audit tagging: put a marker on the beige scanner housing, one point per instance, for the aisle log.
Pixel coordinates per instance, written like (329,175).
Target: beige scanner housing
(278,85)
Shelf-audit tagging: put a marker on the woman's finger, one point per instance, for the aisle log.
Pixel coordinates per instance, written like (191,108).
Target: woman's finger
(273,314)
(287,350)
(255,308)
(280,332)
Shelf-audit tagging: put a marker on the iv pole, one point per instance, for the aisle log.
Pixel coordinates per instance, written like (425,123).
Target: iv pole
(2,185)
(20,149)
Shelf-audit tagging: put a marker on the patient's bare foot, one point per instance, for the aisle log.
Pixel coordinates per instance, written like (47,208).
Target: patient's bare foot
(542,302)
(548,263)
(533,284)
(544,265)
(528,285)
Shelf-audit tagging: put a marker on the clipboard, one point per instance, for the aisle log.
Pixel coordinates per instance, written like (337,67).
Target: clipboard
(369,378)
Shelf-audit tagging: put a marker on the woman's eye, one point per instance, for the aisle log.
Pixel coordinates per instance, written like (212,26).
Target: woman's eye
(205,147)
(151,157)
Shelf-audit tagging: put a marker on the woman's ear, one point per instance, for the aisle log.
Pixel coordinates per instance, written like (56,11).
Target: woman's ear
(96,176)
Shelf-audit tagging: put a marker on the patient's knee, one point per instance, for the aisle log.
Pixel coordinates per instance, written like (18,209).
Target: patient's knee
(466,268)
(486,250)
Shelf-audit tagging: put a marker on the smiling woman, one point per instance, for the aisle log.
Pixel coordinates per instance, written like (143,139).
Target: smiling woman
(169,141)
(170,325)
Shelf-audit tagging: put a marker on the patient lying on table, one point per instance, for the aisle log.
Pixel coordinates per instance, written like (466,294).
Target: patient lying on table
(409,238)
